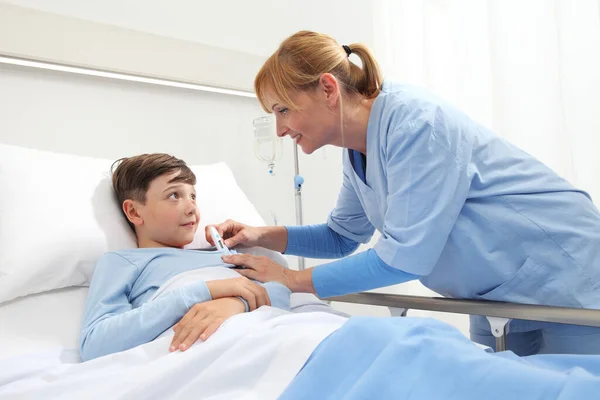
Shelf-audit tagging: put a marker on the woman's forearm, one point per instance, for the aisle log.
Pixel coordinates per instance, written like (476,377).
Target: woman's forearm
(362,271)
(318,241)
(273,238)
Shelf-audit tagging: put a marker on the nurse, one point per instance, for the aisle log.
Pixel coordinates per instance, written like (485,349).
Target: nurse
(459,208)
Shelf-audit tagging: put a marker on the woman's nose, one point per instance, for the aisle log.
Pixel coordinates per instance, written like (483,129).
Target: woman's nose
(282,130)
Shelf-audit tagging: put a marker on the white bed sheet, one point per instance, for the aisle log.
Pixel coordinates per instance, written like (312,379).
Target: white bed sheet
(252,356)
(37,322)
(53,320)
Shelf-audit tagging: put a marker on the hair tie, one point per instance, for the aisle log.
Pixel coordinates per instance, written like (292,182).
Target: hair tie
(347,50)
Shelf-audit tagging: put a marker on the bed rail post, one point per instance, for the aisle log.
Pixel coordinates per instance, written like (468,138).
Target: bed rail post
(398,312)
(499,327)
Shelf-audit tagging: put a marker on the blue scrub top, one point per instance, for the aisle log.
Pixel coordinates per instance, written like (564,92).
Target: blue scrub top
(472,214)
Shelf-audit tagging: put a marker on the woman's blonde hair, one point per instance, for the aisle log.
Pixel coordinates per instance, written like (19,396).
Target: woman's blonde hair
(301,59)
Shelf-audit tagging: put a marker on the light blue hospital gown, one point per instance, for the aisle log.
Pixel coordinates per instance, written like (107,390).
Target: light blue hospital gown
(120,312)
(472,214)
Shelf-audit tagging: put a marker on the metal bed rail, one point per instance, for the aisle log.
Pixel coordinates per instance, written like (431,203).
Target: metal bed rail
(498,313)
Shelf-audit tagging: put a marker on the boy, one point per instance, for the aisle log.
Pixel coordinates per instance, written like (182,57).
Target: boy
(157,195)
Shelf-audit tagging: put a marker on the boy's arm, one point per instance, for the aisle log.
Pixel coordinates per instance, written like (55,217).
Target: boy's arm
(278,294)
(204,319)
(111,324)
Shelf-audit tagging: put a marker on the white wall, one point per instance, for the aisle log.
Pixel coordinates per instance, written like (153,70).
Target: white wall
(110,119)
(256,26)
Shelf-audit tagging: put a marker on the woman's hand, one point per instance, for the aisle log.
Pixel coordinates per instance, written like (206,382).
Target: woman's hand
(202,320)
(253,293)
(235,233)
(262,269)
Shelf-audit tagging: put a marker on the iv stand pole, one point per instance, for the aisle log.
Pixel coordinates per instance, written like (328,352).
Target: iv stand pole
(298,181)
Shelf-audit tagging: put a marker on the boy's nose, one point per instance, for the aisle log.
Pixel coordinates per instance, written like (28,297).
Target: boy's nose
(190,208)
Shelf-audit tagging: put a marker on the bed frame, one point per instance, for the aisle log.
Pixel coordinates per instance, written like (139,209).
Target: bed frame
(499,314)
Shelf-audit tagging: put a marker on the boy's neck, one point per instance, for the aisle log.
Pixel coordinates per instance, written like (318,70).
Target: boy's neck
(144,242)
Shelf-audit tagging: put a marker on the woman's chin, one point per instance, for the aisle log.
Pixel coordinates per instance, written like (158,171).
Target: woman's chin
(307,148)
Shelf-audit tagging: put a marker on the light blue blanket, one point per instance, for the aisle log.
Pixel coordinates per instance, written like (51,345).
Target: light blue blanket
(414,358)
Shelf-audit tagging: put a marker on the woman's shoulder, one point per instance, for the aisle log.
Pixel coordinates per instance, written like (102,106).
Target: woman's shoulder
(409,107)
(404,108)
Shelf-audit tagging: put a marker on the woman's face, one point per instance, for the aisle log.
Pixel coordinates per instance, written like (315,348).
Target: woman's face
(316,123)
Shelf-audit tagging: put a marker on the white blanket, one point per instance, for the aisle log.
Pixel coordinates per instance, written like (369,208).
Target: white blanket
(252,356)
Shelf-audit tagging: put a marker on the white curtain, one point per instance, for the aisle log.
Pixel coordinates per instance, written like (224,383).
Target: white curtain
(529,70)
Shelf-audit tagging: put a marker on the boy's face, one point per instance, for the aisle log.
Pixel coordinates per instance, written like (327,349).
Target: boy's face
(170,216)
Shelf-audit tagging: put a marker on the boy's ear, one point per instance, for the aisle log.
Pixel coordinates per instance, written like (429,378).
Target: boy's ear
(130,208)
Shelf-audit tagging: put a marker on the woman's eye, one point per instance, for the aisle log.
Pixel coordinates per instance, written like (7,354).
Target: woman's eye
(283,111)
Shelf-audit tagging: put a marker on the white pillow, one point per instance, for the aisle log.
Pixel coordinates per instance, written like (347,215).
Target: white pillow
(58,215)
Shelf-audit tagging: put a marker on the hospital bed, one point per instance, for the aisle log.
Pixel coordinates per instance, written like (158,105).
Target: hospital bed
(63,219)
(48,248)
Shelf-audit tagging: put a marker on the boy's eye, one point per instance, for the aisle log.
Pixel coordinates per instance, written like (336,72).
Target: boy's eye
(174,195)
(193,197)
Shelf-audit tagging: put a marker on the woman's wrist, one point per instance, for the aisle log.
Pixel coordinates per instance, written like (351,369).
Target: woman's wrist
(273,237)
(300,281)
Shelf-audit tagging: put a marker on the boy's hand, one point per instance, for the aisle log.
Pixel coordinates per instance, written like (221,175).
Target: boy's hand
(253,293)
(202,320)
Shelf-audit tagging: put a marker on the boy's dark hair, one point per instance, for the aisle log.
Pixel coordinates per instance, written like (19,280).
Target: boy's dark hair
(131,176)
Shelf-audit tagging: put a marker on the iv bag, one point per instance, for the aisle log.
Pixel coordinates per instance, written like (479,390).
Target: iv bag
(267,146)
